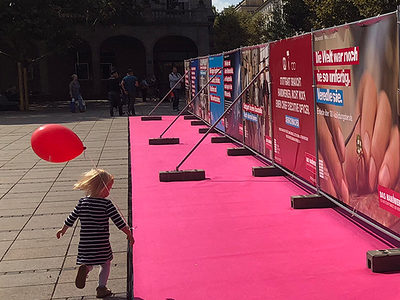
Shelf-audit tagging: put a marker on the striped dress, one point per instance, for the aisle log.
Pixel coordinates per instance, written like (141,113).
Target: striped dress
(94,244)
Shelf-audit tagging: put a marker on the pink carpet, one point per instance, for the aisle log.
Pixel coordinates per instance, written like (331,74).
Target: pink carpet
(234,236)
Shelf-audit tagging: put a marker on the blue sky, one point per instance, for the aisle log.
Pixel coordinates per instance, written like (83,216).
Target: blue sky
(220,4)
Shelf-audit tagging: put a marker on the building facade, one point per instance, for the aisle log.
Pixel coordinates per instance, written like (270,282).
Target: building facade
(164,34)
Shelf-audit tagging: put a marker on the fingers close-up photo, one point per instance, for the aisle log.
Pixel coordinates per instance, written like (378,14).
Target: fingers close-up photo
(358,133)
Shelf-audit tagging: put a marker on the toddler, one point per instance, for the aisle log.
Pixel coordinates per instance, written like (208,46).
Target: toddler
(93,211)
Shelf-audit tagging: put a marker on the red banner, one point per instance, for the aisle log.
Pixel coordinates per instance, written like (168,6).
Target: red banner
(293,105)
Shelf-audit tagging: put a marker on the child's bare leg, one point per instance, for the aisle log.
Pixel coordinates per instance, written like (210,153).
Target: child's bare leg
(104,273)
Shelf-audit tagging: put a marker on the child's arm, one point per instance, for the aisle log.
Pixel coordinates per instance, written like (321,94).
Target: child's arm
(62,231)
(69,222)
(119,222)
(129,235)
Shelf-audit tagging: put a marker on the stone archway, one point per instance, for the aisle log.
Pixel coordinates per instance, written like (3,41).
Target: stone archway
(76,60)
(171,51)
(123,52)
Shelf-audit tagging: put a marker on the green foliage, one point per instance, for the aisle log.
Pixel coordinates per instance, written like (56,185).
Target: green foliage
(297,16)
(301,16)
(370,8)
(330,13)
(234,29)
(276,26)
(24,23)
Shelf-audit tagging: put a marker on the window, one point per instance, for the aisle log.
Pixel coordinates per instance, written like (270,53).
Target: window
(105,69)
(82,70)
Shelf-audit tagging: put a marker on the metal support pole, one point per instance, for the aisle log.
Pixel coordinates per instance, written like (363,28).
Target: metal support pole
(220,118)
(166,95)
(191,101)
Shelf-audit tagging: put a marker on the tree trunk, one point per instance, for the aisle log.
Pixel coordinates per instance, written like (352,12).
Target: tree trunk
(21,87)
(26,102)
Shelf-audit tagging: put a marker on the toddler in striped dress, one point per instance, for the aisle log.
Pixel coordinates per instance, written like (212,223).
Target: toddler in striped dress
(94,211)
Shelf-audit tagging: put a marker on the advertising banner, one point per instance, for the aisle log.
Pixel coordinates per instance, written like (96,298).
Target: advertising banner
(203,109)
(293,105)
(187,83)
(256,100)
(356,72)
(216,90)
(194,83)
(233,119)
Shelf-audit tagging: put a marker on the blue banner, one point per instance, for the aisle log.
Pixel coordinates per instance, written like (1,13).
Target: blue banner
(216,90)
(232,89)
(194,81)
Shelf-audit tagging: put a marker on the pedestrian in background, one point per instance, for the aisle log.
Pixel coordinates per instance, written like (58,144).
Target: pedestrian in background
(129,85)
(174,77)
(114,92)
(75,93)
(144,86)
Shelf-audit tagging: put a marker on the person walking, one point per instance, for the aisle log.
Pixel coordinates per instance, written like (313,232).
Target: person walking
(94,211)
(129,85)
(174,77)
(75,93)
(144,86)
(114,92)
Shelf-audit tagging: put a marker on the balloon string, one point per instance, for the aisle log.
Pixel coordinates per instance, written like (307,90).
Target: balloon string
(105,185)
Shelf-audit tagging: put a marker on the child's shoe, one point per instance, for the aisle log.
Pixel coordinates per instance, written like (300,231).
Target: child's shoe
(80,280)
(103,292)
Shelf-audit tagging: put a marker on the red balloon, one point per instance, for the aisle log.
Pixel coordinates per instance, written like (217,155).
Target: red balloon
(56,143)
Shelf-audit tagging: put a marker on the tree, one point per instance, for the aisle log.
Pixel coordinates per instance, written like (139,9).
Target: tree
(52,23)
(229,29)
(297,16)
(234,29)
(256,29)
(276,25)
(370,8)
(330,13)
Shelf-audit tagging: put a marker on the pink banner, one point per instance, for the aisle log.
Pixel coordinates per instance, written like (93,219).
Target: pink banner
(293,105)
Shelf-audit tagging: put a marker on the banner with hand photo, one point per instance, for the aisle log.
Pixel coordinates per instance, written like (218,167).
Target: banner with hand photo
(356,71)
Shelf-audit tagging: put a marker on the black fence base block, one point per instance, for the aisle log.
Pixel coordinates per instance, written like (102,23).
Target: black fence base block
(380,261)
(311,201)
(197,123)
(241,151)
(267,171)
(220,139)
(151,118)
(164,141)
(182,175)
(190,117)
(204,130)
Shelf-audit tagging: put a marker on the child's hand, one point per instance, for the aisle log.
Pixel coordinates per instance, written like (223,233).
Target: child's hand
(130,238)
(61,232)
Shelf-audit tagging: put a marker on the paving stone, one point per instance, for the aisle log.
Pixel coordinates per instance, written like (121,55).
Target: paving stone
(4,245)
(64,290)
(33,278)
(46,220)
(37,292)
(16,212)
(31,264)
(32,187)
(56,207)
(12,223)
(41,233)
(33,252)
(8,235)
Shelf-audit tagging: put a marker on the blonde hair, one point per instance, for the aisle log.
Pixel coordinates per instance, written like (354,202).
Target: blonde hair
(94,181)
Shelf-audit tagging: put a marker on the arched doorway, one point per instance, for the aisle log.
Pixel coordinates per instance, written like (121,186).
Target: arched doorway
(75,60)
(121,53)
(171,51)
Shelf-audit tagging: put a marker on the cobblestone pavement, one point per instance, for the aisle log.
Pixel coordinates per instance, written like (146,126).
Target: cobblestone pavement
(36,196)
